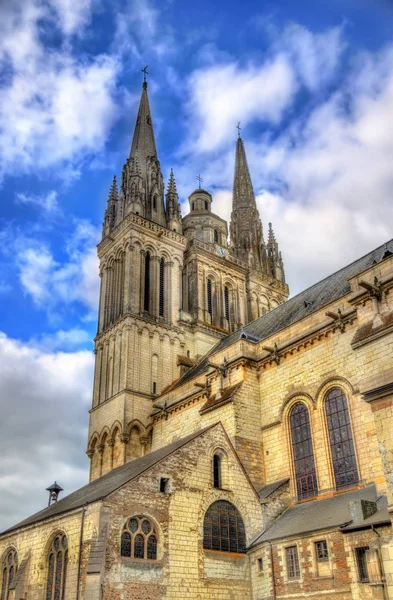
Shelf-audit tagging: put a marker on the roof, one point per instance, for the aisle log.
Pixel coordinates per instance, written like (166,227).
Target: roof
(217,400)
(269,489)
(304,304)
(324,513)
(143,142)
(105,485)
(381,517)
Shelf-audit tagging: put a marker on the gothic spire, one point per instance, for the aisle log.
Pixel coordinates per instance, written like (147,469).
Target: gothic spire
(173,212)
(276,264)
(143,143)
(246,228)
(111,209)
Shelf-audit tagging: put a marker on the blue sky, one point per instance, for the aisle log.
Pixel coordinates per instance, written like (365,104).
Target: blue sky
(313,88)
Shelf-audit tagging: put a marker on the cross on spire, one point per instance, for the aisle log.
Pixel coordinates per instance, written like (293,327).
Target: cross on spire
(144,71)
(238,128)
(200,180)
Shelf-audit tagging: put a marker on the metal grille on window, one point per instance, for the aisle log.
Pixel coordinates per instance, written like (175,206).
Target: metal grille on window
(361,556)
(209,297)
(321,551)
(303,453)
(223,528)
(146,297)
(9,570)
(226,301)
(139,538)
(293,568)
(341,442)
(162,282)
(216,471)
(57,568)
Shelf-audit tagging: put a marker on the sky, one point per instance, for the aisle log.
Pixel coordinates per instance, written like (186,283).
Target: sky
(311,83)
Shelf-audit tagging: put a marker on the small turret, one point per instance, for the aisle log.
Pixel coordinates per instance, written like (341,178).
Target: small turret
(173,211)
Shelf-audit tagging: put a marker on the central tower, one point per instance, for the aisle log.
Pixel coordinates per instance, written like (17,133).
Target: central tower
(171,287)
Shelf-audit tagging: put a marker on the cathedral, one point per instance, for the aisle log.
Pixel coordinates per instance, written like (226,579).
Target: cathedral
(240,443)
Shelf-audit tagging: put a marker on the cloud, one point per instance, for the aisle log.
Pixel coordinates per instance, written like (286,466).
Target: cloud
(55,108)
(64,340)
(54,284)
(47,202)
(43,427)
(73,16)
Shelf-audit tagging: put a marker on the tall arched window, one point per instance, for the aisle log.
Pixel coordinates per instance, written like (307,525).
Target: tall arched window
(216,471)
(57,569)
(9,570)
(223,528)
(209,298)
(340,437)
(146,295)
(139,538)
(226,302)
(162,287)
(216,236)
(303,453)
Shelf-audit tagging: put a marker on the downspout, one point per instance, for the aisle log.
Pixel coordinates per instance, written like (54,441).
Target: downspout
(381,563)
(274,596)
(80,552)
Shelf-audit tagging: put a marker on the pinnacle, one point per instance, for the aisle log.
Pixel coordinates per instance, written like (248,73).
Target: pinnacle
(271,239)
(172,184)
(113,192)
(143,142)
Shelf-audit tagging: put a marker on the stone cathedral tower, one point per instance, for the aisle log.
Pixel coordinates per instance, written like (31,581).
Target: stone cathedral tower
(171,287)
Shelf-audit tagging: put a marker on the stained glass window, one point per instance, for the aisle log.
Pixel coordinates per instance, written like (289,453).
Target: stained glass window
(9,570)
(57,568)
(340,437)
(223,528)
(139,538)
(303,453)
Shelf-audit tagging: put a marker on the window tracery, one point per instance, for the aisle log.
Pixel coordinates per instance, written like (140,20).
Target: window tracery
(9,570)
(340,438)
(139,538)
(57,568)
(223,528)
(303,453)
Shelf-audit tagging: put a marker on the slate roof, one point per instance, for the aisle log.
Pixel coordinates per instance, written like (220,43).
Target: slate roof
(269,489)
(381,517)
(310,516)
(105,485)
(320,294)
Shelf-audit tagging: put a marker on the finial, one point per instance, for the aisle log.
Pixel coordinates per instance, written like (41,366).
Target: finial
(238,128)
(144,71)
(200,180)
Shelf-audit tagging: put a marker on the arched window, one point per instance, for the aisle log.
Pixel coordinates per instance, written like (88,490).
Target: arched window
(303,453)
(340,437)
(9,570)
(139,538)
(209,297)
(223,528)
(146,296)
(216,236)
(162,284)
(206,205)
(193,206)
(217,471)
(57,569)
(226,302)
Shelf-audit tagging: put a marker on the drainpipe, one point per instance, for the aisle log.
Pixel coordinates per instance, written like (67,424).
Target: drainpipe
(273,579)
(384,591)
(80,552)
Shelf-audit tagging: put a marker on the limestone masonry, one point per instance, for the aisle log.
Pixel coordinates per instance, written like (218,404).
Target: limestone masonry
(240,443)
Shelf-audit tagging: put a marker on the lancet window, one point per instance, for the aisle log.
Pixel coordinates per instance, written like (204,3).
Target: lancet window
(162,288)
(57,569)
(223,528)
(9,570)
(226,302)
(146,295)
(341,441)
(139,538)
(303,452)
(209,297)
(217,471)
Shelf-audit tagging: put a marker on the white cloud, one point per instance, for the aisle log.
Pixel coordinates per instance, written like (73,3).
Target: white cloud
(53,284)
(43,428)
(47,202)
(73,16)
(54,108)
(64,340)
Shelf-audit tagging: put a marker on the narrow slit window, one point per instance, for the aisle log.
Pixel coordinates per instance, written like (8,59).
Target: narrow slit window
(303,452)
(146,299)
(361,557)
(216,236)
(209,298)
(162,287)
(216,471)
(226,302)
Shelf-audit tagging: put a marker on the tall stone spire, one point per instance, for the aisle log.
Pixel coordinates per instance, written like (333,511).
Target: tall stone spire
(143,143)
(142,186)
(246,228)
(173,211)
